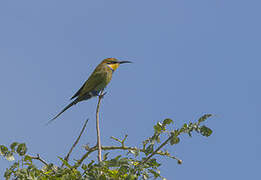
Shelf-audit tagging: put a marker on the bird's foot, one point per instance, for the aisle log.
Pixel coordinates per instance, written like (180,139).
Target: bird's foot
(102,94)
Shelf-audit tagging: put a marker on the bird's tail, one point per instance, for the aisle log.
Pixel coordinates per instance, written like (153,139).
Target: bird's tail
(67,107)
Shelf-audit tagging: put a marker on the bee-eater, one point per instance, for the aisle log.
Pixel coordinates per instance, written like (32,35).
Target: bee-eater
(98,80)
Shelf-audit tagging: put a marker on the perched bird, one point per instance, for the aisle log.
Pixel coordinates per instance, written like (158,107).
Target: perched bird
(98,80)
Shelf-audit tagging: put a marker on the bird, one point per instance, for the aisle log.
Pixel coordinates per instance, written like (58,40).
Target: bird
(96,83)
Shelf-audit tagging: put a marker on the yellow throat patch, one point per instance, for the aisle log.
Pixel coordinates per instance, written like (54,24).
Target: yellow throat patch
(114,66)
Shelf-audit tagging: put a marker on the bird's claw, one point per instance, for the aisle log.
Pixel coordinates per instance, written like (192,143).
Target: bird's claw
(102,94)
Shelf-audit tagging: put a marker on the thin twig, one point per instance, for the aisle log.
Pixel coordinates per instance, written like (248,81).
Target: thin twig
(155,152)
(107,148)
(98,127)
(120,141)
(37,157)
(90,150)
(75,143)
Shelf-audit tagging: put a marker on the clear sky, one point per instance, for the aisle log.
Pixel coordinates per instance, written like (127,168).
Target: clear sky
(190,58)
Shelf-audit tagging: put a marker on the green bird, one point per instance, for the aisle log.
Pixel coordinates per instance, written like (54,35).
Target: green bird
(97,82)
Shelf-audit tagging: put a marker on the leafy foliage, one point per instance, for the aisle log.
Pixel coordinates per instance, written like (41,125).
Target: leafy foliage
(136,163)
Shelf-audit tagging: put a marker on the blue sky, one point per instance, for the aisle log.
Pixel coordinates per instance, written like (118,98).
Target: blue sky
(190,58)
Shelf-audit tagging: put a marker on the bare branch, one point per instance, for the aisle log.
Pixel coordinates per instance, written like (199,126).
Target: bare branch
(98,126)
(120,141)
(37,157)
(107,148)
(75,143)
(157,151)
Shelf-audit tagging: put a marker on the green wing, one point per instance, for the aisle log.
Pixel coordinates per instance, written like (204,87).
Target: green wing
(78,92)
(94,81)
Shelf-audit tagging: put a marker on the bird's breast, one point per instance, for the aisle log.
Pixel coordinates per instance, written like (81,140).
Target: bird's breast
(105,75)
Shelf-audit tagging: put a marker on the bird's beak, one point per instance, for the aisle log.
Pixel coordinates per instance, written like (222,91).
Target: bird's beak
(122,62)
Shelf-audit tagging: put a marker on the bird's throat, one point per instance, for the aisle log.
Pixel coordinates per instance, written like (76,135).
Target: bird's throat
(113,67)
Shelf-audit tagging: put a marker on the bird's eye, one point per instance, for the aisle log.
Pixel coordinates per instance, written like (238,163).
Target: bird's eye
(112,62)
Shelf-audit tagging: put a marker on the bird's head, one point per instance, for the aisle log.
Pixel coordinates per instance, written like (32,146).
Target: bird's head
(113,63)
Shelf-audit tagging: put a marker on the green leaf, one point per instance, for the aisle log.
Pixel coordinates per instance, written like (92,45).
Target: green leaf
(105,156)
(157,138)
(185,125)
(204,117)
(167,121)
(8,174)
(3,150)
(65,163)
(155,174)
(131,177)
(28,159)
(114,162)
(153,163)
(149,149)
(9,156)
(13,146)
(205,131)
(102,177)
(91,164)
(21,149)
(158,128)
(14,166)
(84,167)
(174,140)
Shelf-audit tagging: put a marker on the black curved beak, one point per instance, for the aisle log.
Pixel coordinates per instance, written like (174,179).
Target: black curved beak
(122,62)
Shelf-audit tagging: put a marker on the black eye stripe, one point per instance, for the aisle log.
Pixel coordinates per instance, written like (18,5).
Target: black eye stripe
(113,62)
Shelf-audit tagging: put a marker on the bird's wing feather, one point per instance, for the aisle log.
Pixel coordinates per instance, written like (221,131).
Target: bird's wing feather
(78,92)
(91,84)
